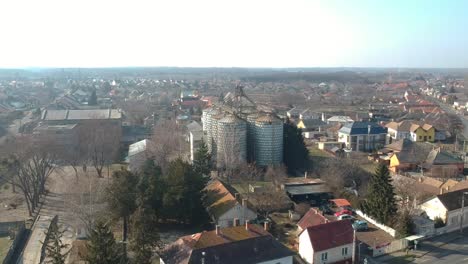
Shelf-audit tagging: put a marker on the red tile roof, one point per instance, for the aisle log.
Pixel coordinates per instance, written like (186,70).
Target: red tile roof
(331,235)
(312,218)
(341,202)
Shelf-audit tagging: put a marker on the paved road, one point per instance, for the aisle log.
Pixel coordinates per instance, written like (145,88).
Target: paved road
(449,109)
(446,249)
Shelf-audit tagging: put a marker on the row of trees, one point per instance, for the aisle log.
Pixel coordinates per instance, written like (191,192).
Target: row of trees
(154,196)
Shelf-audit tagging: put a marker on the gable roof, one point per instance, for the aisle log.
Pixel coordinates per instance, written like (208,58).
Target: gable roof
(219,199)
(452,200)
(96,114)
(436,156)
(231,245)
(194,126)
(312,218)
(361,128)
(313,123)
(330,235)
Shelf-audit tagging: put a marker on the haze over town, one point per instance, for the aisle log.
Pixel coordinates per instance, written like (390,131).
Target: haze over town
(240,132)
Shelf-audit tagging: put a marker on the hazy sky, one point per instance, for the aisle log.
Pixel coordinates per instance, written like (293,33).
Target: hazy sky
(239,33)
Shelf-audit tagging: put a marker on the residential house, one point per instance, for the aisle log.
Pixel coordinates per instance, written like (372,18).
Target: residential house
(311,127)
(223,206)
(422,133)
(339,120)
(362,136)
(411,130)
(246,244)
(313,217)
(327,243)
(406,155)
(447,206)
(399,130)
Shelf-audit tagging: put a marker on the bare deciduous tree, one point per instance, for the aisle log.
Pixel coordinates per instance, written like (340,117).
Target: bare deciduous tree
(28,168)
(167,143)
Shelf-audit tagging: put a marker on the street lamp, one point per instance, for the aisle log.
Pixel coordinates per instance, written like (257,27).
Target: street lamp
(462,212)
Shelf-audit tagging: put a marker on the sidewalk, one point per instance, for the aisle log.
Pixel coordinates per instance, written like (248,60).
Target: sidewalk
(424,247)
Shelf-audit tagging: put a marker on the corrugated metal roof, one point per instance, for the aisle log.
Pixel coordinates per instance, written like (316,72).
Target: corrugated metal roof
(56,115)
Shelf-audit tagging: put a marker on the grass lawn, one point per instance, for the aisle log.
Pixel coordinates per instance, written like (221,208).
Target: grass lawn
(402,259)
(5,244)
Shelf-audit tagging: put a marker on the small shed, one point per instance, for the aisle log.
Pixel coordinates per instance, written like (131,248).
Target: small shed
(341,202)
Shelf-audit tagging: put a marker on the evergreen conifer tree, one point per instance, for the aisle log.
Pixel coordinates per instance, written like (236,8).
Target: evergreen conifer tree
(145,236)
(55,248)
(93,98)
(295,152)
(102,247)
(202,161)
(380,202)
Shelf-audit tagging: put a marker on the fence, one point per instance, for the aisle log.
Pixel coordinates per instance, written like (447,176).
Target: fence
(19,233)
(395,245)
(369,219)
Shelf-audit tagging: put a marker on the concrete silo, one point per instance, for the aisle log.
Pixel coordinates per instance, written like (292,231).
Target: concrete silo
(268,140)
(231,142)
(251,118)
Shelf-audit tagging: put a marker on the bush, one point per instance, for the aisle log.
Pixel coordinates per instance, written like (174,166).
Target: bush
(438,222)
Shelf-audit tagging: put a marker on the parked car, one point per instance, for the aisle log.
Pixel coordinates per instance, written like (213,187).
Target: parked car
(360,225)
(345,216)
(343,212)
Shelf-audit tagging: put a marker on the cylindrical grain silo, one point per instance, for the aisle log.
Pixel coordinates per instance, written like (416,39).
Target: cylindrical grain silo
(251,135)
(231,142)
(213,135)
(268,140)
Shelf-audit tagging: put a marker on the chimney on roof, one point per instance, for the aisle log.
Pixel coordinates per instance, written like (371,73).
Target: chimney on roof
(236,222)
(305,175)
(217,230)
(441,191)
(266,225)
(369,129)
(247,225)
(420,179)
(244,202)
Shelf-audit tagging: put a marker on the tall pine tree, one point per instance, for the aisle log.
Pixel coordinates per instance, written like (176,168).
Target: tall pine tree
(102,247)
(202,161)
(295,152)
(380,202)
(121,196)
(55,248)
(93,98)
(144,236)
(151,187)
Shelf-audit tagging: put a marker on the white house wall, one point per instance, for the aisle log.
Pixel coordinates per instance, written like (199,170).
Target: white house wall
(238,211)
(434,208)
(334,255)
(305,248)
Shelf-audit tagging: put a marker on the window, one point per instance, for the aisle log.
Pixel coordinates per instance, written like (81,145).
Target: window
(324,256)
(420,137)
(430,137)
(344,251)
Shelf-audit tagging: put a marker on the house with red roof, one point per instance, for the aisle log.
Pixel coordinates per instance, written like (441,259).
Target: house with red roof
(327,243)
(313,217)
(246,244)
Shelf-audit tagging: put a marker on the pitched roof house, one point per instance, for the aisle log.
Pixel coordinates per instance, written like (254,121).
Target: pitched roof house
(223,206)
(312,218)
(327,243)
(362,136)
(247,244)
(447,206)
(408,155)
